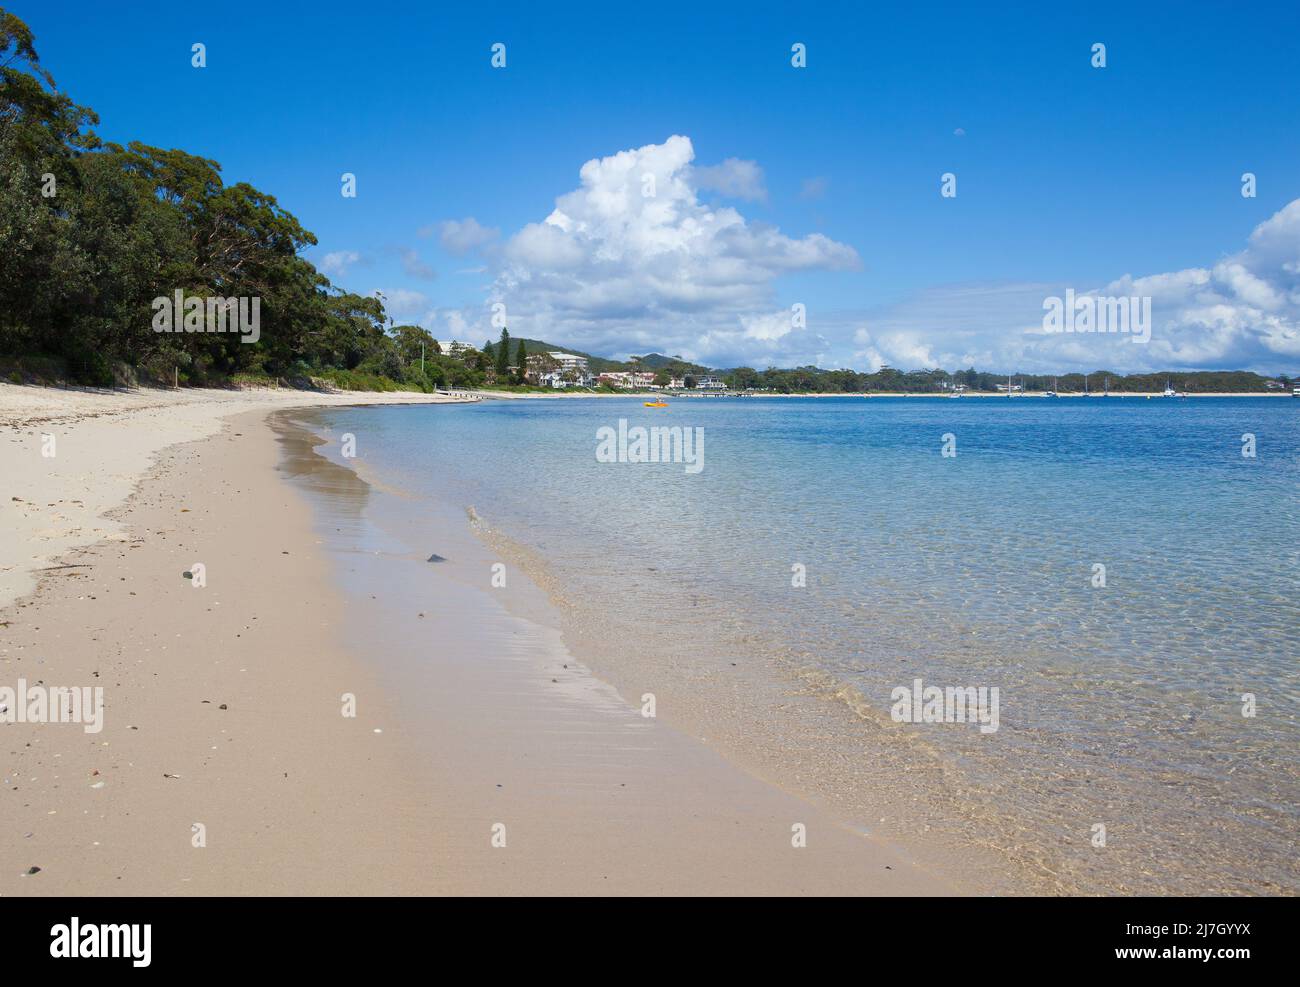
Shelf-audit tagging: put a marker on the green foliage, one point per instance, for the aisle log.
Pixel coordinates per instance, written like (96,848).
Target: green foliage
(521,362)
(503,355)
(356,380)
(33,369)
(254,380)
(674,366)
(79,268)
(413,342)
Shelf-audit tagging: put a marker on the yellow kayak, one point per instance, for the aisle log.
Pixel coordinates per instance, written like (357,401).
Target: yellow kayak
(655,404)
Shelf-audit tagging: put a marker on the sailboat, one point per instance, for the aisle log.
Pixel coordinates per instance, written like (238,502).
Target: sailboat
(1052,393)
(1168,392)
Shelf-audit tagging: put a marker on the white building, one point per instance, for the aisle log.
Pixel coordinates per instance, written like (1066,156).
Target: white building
(452,347)
(627,379)
(572,372)
(569,361)
(569,370)
(709,384)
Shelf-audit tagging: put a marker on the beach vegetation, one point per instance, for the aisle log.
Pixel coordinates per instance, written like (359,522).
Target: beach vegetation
(502,354)
(92,231)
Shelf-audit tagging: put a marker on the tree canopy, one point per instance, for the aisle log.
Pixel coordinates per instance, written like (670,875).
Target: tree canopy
(92,232)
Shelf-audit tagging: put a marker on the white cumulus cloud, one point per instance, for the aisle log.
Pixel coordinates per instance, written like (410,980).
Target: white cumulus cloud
(632,260)
(337,262)
(638,258)
(405,306)
(1241,312)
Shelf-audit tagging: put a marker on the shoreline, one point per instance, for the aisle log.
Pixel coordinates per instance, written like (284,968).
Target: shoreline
(486,701)
(558,749)
(743,716)
(222,711)
(72,456)
(764,696)
(221,704)
(759,719)
(512,396)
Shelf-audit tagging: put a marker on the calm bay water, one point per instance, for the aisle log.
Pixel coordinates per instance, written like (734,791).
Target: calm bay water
(1121,705)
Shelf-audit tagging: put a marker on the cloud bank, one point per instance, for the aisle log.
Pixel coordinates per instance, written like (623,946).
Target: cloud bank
(337,263)
(632,260)
(639,257)
(1242,312)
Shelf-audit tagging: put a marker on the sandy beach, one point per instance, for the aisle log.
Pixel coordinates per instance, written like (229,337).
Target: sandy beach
(71,455)
(483,758)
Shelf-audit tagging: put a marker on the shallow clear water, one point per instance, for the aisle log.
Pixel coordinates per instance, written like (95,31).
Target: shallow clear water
(1120,705)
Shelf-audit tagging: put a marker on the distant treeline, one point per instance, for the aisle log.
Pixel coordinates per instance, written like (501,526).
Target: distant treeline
(817,381)
(92,232)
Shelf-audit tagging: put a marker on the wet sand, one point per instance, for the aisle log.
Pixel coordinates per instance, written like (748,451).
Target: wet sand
(69,455)
(222,705)
(470,728)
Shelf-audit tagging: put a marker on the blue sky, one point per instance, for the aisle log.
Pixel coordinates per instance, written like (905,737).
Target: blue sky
(1067,175)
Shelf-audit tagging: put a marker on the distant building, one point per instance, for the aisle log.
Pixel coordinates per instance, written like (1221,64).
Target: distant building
(564,378)
(559,370)
(709,384)
(569,361)
(453,347)
(626,379)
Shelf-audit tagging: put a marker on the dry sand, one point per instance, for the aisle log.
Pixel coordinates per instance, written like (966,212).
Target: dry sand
(223,703)
(102,443)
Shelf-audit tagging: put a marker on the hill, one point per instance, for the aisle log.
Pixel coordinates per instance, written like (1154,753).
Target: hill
(598,364)
(674,364)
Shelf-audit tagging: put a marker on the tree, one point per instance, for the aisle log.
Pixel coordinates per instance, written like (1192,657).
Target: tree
(91,233)
(503,355)
(521,361)
(410,339)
